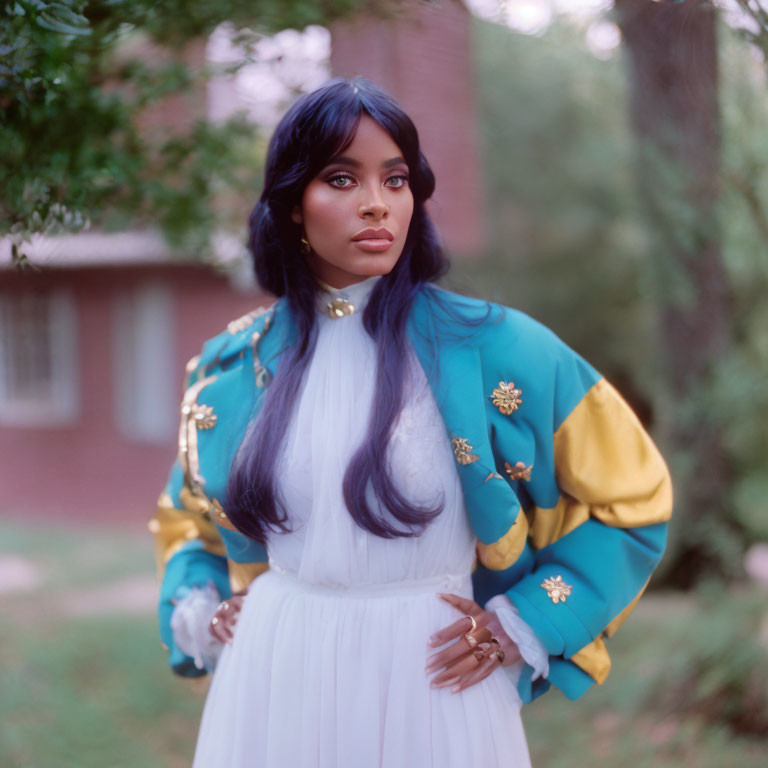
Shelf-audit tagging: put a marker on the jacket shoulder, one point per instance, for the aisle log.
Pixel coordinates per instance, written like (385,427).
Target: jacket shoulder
(225,348)
(491,323)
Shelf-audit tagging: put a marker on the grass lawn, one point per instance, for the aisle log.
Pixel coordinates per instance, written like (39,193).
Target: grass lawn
(85,683)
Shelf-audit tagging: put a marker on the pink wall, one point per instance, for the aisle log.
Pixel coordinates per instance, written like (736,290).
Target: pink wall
(89,470)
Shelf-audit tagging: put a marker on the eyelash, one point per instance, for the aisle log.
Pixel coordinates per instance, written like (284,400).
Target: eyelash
(347,176)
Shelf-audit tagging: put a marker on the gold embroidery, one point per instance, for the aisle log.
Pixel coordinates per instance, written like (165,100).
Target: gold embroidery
(506,397)
(259,371)
(188,457)
(191,366)
(494,475)
(557,589)
(241,323)
(203,416)
(519,471)
(219,516)
(340,307)
(463,451)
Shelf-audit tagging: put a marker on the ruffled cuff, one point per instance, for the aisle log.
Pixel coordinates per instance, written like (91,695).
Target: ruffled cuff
(531,648)
(190,621)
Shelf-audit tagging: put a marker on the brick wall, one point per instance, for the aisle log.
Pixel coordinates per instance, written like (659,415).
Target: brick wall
(422,57)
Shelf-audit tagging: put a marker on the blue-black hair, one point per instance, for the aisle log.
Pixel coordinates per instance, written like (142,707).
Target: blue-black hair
(317,127)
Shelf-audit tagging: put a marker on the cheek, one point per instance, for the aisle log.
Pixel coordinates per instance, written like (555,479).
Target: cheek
(323,211)
(403,211)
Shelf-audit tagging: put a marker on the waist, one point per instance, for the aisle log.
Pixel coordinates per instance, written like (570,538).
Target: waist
(460,583)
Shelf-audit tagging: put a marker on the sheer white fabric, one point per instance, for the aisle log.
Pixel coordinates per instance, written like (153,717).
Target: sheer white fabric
(531,648)
(190,621)
(327,665)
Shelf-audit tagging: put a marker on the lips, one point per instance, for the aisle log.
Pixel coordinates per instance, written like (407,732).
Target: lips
(374,234)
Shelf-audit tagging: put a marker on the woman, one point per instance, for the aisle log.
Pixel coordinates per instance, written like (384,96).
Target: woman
(374,439)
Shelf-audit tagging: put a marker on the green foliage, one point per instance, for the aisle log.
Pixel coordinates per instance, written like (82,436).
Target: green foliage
(74,87)
(568,242)
(572,246)
(753,24)
(87,691)
(716,664)
(738,395)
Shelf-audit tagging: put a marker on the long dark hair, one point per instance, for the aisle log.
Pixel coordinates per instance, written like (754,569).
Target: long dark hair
(317,127)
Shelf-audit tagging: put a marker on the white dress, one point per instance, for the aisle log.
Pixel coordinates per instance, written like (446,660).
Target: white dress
(327,664)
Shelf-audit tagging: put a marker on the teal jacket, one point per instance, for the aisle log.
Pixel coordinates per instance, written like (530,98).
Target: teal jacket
(566,493)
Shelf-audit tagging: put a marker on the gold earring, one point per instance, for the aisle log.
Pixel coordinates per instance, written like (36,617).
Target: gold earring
(305,246)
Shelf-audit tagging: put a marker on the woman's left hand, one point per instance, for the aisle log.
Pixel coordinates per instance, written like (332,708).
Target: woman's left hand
(473,655)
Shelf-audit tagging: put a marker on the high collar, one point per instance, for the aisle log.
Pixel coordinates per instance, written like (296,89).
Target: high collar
(357,294)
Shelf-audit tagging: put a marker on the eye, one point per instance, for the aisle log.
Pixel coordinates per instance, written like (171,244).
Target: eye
(402,179)
(340,177)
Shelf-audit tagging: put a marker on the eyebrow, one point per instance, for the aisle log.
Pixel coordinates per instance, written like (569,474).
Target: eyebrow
(344,160)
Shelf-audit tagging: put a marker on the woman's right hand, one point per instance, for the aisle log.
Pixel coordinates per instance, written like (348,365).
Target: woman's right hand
(222,625)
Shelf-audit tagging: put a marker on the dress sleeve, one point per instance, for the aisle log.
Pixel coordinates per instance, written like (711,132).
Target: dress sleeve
(599,504)
(532,650)
(190,554)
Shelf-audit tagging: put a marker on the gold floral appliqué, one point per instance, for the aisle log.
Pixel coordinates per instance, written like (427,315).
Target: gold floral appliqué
(519,471)
(203,416)
(506,397)
(463,451)
(557,589)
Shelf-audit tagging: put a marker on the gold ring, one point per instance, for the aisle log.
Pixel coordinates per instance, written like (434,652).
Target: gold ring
(474,624)
(499,654)
(479,654)
(471,641)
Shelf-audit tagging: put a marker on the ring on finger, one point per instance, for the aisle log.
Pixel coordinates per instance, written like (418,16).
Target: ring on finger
(214,621)
(474,624)
(223,606)
(497,652)
(480,636)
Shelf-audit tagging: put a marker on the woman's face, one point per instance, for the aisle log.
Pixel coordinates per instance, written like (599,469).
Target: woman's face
(363,188)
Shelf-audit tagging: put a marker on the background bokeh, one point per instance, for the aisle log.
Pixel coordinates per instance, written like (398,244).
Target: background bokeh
(602,166)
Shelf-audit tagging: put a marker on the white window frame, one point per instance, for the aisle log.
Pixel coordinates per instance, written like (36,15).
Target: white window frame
(61,406)
(145,391)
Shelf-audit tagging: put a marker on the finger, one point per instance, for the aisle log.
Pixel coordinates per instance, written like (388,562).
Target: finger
(447,656)
(464,604)
(465,664)
(220,627)
(218,632)
(236,602)
(452,631)
(485,669)
(459,648)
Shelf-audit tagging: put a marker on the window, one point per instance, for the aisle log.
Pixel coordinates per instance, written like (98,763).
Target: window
(145,391)
(38,359)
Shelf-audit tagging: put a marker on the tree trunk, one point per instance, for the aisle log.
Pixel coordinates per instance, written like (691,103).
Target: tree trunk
(672,57)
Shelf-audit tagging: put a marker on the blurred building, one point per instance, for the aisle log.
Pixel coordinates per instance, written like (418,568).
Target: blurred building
(93,345)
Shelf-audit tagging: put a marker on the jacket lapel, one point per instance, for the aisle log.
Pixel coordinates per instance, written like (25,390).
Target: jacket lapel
(451,362)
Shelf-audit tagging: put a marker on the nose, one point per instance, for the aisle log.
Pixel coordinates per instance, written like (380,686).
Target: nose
(374,205)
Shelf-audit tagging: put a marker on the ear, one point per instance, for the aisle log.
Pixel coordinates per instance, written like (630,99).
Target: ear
(296,216)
